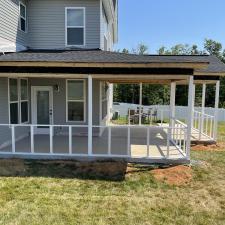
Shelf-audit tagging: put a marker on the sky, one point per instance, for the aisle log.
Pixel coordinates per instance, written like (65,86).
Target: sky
(159,23)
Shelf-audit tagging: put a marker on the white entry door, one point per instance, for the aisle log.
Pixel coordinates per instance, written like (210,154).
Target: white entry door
(42,108)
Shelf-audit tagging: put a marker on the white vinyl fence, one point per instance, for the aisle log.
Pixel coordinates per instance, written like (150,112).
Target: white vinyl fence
(181,111)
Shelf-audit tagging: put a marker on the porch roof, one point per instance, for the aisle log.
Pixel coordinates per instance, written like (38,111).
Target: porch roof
(94,58)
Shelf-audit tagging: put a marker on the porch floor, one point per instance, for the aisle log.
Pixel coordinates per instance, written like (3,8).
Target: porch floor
(138,144)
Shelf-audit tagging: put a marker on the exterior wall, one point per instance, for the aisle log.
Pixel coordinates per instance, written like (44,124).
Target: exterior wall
(47,23)
(5,131)
(106,33)
(59,100)
(9,22)
(59,107)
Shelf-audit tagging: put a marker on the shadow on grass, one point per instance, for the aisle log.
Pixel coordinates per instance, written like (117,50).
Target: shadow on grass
(100,170)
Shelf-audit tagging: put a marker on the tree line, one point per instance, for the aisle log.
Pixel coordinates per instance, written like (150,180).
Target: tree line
(160,94)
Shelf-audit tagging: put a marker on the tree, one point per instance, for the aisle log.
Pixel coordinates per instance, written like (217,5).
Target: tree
(159,94)
(142,49)
(213,47)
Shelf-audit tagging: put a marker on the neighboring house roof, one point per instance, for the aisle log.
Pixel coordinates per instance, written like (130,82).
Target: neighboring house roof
(98,56)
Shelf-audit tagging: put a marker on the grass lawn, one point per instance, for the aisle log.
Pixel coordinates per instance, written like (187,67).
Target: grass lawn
(50,194)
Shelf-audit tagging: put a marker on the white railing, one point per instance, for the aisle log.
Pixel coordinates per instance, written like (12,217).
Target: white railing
(181,111)
(203,124)
(107,141)
(179,135)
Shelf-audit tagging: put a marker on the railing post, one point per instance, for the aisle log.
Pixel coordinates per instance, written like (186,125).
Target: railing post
(168,142)
(140,104)
(203,111)
(89,115)
(172,103)
(148,137)
(128,142)
(32,139)
(216,110)
(109,140)
(51,139)
(70,140)
(193,105)
(161,111)
(13,139)
(190,115)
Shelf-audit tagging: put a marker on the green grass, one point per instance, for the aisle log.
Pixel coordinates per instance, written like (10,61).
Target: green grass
(221,131)
(53,194)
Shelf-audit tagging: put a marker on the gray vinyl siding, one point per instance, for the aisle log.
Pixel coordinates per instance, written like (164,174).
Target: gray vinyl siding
(59,107)
(9,22)
(59,100)
(47,23)
(5,131)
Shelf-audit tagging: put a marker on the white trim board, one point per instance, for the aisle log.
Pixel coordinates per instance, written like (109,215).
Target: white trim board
(84,27)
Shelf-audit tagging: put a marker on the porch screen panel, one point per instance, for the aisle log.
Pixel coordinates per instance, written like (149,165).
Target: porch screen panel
(76,100)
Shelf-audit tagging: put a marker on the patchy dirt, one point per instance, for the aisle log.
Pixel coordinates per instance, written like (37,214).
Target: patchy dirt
(63,169)
(212,147)
(177,175)
(12,167)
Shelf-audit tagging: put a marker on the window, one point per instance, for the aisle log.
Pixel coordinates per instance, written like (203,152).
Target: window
(23,16)
(75,26)
(18,100)
(24,100)
(14,101)
(76,100)
(104,104)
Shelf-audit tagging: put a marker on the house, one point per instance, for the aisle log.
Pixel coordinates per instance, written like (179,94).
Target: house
(57,68)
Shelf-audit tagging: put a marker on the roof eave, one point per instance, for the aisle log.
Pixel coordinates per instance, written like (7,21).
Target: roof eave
(187,65)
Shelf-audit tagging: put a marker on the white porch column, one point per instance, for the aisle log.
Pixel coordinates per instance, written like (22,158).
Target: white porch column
(203,111)
(140,104)
(217,97)
(172,103)
(193,105)
(89,115)
(109,102)
(190,114)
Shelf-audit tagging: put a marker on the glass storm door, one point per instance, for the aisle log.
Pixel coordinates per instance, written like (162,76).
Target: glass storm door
(42,110)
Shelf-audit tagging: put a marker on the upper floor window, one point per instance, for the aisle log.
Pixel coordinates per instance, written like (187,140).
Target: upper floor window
(23,16)
(75,26)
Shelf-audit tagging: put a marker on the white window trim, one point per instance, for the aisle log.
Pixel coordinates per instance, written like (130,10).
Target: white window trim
(84,101)
(84,26)
(25,18)
(19,101)
(101,101)
(27,100)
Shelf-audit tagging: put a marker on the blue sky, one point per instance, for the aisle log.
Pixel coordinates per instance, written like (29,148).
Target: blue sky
(169,22)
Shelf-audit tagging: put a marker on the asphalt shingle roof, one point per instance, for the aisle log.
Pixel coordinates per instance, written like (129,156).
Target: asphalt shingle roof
(98,56)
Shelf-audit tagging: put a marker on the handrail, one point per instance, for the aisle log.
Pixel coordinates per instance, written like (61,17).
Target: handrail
(179,142)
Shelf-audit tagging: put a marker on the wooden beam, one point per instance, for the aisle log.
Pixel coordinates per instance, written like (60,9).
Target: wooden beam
(199,73)
(192,65)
